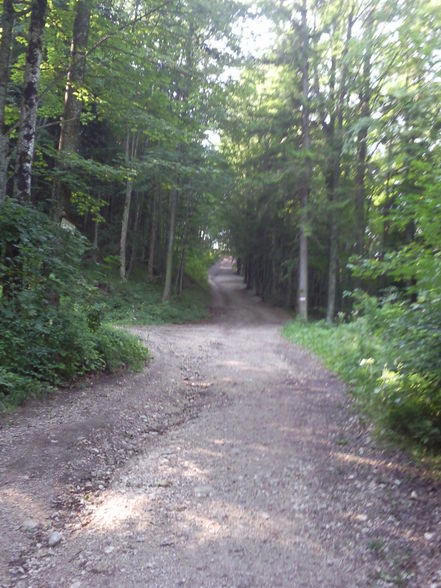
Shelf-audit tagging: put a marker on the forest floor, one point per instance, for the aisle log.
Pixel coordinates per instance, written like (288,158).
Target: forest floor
(234,459)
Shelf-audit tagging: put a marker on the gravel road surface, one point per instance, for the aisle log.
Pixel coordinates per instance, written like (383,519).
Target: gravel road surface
(233,460)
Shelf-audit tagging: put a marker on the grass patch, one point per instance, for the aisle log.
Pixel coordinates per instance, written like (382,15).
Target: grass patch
(395,385)
(345,349)
(138,301)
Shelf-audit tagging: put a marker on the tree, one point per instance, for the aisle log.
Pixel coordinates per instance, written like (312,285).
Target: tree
(71,124)
(334,135)
(302,294)
(8,17)
(132,141)
(28,117)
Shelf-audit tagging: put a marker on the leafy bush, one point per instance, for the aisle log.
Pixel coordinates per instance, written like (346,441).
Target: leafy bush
(390,354)
(409,387)
(50,329)
(119,349)
(198,263)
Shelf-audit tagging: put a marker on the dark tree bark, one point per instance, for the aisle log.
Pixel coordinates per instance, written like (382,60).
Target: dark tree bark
(135,237)
(95,242)
(8,18)
(28,117)
(333,175)
(71,123)
(152,240)
(173,204)
(181,269)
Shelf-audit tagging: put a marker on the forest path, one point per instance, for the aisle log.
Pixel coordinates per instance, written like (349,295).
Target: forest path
(233,459)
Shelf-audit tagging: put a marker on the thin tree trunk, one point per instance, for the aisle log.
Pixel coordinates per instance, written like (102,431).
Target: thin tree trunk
(134,250)
(302,294)
(28,117)
(131,152)
(8,18)
(333,264)
(289,289)
(152,242)
(360,189)
(171,240)
(95,242)
(71,124)
(333,180)
(124,229)
(180,274)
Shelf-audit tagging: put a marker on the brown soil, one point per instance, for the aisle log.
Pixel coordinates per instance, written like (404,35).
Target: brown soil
(234,459)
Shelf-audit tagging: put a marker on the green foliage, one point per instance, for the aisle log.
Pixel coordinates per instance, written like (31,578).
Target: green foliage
(51,332)
(391,357)
(198,263)
(119,349)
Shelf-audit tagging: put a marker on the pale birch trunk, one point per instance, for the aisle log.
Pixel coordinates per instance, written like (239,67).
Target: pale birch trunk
(28,117)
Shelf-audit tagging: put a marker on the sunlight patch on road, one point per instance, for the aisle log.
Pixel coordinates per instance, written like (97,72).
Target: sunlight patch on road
(239,524)
(376,463)
(118,508)
(192,470)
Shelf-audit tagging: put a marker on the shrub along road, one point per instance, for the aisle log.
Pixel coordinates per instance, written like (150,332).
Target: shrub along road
(233,459)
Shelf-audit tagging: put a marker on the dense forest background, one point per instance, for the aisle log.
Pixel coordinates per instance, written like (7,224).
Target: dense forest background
(141,137)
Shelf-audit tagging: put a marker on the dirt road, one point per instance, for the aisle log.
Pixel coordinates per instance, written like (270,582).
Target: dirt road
(233,460)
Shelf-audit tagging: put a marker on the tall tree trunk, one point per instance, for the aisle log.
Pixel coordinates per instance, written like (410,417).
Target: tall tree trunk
(134,251)
(152,241)
(334,172)
(131,151)
(71,124)
(171,240)
(181,269)
(360,175)
(28,117)
(302,293)
(124,230)
(8,17)
(273,273)
(289,289)
(95,241)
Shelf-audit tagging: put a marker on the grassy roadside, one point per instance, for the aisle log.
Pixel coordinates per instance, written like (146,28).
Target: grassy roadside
(138,301)
(345,350)
(363,357)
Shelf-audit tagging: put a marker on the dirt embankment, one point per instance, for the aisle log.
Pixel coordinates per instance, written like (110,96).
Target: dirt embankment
(233,459)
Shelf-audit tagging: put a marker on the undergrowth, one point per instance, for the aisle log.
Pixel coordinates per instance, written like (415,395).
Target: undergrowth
(59,320)
(390,355)
(50,331)
(138,300)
